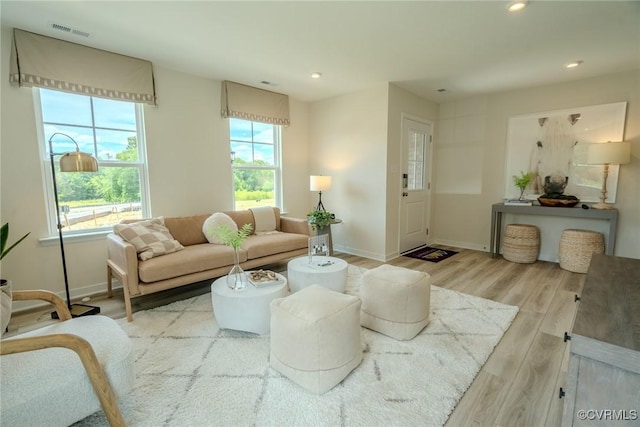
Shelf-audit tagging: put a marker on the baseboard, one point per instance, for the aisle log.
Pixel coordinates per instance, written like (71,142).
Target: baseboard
(76,294)
(466,245)
(359,252)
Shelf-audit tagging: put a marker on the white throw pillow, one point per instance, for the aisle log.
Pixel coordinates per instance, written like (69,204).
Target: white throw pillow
(150,238)
(265,219)
(213,222)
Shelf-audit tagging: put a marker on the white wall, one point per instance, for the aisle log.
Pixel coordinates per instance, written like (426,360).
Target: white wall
(471,159)
(189,173)
(349,142)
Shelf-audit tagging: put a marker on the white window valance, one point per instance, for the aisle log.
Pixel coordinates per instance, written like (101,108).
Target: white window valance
(40,61)
(250,103)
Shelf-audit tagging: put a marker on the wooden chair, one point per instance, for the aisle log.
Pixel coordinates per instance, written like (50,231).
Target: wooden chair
(46,339)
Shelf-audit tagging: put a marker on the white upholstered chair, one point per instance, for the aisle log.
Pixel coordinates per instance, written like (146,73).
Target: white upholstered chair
(64,372)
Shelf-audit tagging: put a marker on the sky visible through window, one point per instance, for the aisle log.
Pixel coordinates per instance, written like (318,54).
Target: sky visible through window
(115,122)
(252,146)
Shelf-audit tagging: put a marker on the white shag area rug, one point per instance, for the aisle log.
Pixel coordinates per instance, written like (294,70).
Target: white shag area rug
(189,372)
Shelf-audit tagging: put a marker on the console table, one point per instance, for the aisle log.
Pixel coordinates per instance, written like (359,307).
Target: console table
(498,209)
(604,359)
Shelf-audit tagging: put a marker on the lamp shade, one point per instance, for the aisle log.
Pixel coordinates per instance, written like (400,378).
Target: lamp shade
(77,161)
(611,153)
(319,183)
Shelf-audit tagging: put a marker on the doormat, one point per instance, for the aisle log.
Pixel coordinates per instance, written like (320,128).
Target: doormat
(430,254)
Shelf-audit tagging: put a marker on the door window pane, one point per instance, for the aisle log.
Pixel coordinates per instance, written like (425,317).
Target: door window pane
(415,162)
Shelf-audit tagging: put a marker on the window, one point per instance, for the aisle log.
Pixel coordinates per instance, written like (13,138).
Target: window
(112,132)
(415,162)
(255,156)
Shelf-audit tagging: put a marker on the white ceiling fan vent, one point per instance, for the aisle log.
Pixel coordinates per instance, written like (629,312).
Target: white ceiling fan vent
(68,29)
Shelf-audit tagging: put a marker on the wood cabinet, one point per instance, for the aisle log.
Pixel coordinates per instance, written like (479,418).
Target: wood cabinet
(603,380)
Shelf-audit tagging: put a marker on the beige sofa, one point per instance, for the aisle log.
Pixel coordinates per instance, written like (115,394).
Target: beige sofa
(200,260)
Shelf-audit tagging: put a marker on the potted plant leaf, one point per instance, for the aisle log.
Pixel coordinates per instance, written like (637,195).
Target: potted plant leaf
(319,219)
(236,279)
(5,284)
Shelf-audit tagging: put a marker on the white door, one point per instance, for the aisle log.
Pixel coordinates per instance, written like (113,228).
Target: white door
(415,183)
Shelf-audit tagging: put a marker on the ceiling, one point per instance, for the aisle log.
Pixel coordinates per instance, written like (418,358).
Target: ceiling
(465,47)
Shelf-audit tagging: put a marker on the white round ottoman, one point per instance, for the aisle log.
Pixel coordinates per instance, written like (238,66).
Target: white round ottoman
(315,337)
(395,301)
(325,271)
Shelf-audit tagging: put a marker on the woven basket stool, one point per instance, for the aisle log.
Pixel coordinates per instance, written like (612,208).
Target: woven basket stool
(577,247)
(521,243)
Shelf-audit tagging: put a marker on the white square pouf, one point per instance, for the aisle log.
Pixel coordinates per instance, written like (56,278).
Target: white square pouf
(315,337)
(395,301)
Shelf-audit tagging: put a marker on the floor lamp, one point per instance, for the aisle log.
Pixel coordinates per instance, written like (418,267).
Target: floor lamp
(319,183)
(74,161)
(607,153)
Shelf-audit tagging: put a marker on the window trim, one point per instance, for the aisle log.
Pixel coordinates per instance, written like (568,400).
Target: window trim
(47,184)
(276,167)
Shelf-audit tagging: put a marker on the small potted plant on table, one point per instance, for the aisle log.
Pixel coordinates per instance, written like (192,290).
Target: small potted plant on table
(522,182)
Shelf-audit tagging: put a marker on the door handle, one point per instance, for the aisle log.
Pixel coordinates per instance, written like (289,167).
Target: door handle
(405,180)
(405,194)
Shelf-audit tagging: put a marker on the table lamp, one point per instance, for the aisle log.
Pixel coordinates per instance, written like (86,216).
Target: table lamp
(607,153)
(319,183)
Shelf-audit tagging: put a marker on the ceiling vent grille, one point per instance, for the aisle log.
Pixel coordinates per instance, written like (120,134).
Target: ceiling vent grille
(68,29)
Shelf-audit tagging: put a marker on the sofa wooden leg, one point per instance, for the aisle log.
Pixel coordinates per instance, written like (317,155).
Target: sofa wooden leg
(109,282)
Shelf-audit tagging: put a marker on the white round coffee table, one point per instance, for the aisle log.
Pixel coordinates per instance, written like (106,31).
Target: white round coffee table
(325,271)
(247,310)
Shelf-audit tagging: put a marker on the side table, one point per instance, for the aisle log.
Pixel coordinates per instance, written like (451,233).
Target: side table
(325,271)
(247,310)
(327,230)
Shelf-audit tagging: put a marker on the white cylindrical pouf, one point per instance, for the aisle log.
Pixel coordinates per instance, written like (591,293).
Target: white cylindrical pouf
(315,337)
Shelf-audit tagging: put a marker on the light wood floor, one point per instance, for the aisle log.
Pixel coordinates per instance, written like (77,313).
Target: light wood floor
(518,386)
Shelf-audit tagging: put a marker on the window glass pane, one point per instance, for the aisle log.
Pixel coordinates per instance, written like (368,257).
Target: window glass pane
(114,114)
(263,154)
(262,132)
(117,145)
(62,144)
(253,188)
(93,200)
(240,130)
(62,107)
(243,153)
(99,199)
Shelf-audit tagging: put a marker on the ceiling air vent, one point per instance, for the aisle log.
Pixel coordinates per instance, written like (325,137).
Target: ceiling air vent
(68,29)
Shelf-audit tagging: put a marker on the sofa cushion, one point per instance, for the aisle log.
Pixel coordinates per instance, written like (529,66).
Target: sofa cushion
(211,224)
(265,219)
(258,246)
(246,217)
(187,229)
(150,238)
(193,259)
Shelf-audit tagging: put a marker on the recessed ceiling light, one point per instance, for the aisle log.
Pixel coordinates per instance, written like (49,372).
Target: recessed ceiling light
(573,64)
(516,6)
(316,75)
